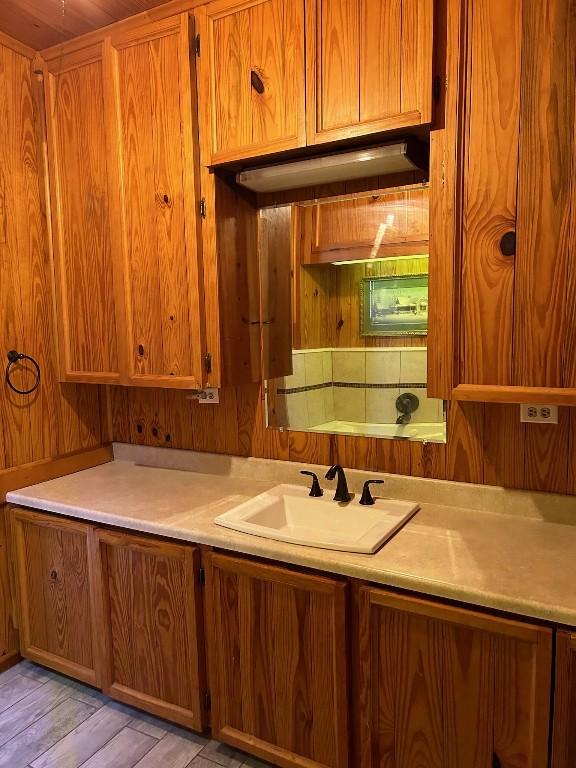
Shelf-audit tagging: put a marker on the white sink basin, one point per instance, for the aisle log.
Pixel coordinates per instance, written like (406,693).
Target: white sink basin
(288,513)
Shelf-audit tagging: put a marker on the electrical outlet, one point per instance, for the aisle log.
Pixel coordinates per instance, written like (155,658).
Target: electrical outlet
(208,395)
(539,414)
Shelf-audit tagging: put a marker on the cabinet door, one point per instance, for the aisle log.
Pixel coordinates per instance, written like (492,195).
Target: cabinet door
(564,738)
(517,292)
(369,66)
(54,576)
(277,649)
(151,643)
(367,226)
(78,120)
(156,140)
(442,687)
(251,78)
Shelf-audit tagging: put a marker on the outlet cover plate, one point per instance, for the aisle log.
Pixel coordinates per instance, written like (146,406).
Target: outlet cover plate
(539,414)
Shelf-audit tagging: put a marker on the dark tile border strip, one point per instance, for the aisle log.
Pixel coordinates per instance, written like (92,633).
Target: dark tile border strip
(349,385)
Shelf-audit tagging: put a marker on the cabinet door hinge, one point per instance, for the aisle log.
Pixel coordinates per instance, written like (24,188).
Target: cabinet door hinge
(197,45)
(202,207)
(208,701)
(208,362)
(202,577)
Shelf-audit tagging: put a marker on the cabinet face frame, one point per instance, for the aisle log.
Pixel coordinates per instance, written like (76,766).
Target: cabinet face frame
(415,108)
(19,518)
(491,630)
(189,559)
(216,564)
(206,16)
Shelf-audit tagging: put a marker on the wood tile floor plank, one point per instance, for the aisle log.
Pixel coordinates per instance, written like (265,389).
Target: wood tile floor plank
(123,751)
(85,740)
(43,734)
(173,751)
(38,703)
(56,722)
(15,689)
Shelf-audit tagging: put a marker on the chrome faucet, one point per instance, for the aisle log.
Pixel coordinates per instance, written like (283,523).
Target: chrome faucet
(342,493)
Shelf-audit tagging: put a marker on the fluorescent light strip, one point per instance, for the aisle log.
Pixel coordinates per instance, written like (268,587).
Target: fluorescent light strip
(384,258)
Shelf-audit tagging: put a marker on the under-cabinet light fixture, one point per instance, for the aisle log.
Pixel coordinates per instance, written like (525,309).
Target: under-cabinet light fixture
(406,155)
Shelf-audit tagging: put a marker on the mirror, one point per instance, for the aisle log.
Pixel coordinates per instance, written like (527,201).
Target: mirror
(344,307)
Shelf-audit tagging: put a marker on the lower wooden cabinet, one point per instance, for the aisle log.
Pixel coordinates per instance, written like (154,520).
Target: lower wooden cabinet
(444,687)
(564,737)
(54,579)
(277,649)
(150,625)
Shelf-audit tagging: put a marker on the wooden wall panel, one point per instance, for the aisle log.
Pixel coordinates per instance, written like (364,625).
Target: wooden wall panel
(56,419)
(486,442)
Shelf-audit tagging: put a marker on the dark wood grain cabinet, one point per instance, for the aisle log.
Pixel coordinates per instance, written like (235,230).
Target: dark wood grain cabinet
(445,687)
(304,670)
(277,651)
(147,594)
(54,584)
(564,734)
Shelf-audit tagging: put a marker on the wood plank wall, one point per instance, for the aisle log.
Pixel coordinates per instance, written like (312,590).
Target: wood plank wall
(486,443)
(57,419)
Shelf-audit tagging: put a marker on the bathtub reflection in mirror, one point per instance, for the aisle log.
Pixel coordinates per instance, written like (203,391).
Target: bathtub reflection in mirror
(344,301)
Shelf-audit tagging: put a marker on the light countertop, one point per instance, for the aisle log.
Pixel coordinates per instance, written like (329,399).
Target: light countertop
(510,562)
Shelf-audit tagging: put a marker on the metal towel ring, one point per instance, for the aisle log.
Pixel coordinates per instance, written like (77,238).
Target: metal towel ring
(15,357)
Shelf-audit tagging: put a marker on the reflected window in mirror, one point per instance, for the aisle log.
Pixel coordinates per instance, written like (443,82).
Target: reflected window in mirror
(344,302)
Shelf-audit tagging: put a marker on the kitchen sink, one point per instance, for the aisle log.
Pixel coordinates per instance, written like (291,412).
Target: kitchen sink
(288,513)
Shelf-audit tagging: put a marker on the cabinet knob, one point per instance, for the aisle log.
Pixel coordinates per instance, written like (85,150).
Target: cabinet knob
(256,82)
(141,350)
(508,244)
(166,199)
(496,761)
(53,575)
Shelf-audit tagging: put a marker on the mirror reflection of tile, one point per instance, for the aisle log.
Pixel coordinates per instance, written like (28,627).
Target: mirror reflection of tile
(355,391)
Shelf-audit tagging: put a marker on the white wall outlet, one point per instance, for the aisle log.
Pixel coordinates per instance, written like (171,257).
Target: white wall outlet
(208,395)
(539,414)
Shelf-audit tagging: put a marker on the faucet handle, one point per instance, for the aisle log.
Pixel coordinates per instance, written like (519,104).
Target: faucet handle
(315,489)
(367,499)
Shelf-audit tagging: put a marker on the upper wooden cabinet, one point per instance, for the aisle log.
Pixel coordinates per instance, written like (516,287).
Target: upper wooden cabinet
(369,66)
(516,289)
(123,167)
(78,109)
(155,134)
(251,78)
(441,687)
(277,654)
(54,579)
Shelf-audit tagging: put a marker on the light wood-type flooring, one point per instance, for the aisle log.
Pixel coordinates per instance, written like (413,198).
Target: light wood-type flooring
(50,721)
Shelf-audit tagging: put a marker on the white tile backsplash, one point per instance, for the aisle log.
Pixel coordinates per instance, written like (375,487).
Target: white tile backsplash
(349,367)
(382,367)
(349,404)
(314,368)
(413,365)
(297,409)
(316,407)
(381,406)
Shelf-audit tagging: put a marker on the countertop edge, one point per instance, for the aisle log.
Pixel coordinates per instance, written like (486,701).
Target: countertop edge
(254,546)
